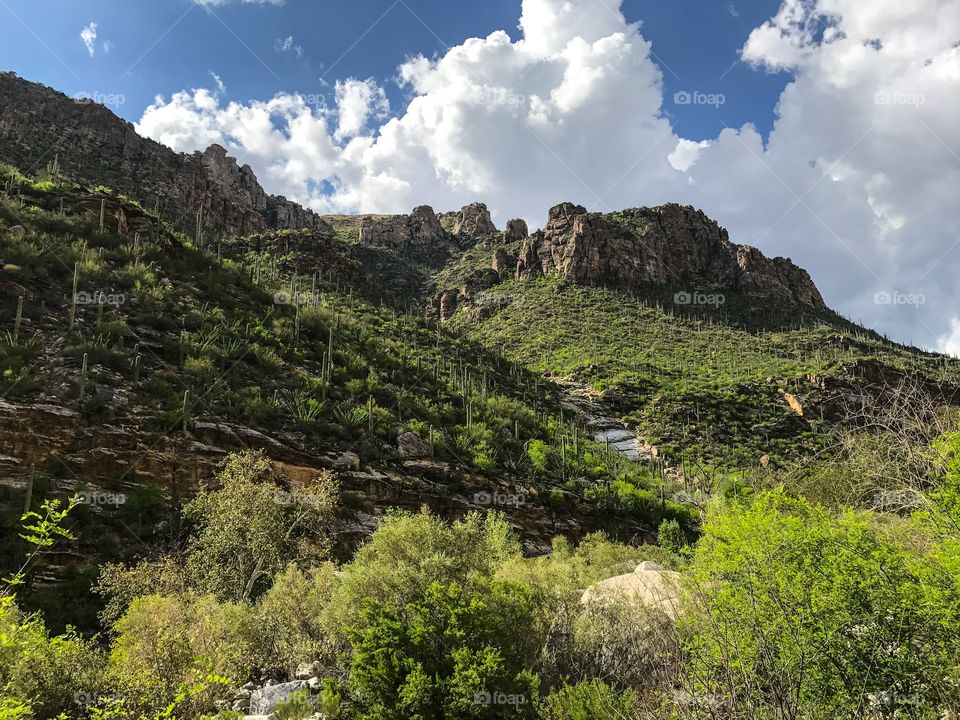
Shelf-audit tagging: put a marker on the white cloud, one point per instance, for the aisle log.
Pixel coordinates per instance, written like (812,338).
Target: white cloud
(950,342)
(283,45)
(358,101)
(89,37)
(856,182)
(218,81)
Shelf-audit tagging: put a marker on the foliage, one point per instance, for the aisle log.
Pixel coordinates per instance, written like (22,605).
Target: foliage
(441,655)
(799,612)
(291,628)
(590,700)
(247,530)
(166,644)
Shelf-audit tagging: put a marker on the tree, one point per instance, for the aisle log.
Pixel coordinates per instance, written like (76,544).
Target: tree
(249,529)
(797,612)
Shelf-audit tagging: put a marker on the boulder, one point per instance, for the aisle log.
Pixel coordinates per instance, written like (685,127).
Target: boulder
(347,461)
(412,446)
(649,584)
(265,700)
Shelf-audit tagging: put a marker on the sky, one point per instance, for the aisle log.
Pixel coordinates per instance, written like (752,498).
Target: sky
(827,131)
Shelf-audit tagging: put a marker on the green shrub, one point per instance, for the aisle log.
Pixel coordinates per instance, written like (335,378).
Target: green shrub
(590,700)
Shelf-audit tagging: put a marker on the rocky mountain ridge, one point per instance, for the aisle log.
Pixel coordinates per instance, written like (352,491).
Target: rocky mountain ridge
(94,146)
(667,246)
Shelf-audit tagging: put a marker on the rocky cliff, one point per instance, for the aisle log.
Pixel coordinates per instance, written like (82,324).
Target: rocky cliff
(667,246)
(95,147)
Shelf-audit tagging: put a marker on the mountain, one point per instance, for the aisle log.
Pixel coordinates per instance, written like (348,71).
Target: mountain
(161,310)
(94,146)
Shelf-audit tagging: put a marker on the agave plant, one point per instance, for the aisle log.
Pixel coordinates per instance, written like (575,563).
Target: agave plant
(303,407)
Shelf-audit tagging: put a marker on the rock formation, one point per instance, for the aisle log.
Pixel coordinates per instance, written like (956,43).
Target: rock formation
(474,222)
(93,146)
(666,246)
(516,230)
(420,229)
(504,263)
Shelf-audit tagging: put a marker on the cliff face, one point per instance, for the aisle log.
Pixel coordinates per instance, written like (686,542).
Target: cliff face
(667,246)
(94,146)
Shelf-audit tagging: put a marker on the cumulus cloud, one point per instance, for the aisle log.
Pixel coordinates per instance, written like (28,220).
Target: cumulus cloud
(89,38)
(856,181)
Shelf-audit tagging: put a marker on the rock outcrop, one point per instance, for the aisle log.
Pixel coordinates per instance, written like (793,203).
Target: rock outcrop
(666,246)
(474,222)
(516,230)
(504,263)
(93,146)
(649,585)
(420,229)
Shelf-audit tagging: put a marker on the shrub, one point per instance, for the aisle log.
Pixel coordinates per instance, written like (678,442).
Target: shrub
(819,615)
(589,700)
(444,653)
(166,643)
(291,631)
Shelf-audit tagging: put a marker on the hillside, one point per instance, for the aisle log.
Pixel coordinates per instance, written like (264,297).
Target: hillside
(137,355)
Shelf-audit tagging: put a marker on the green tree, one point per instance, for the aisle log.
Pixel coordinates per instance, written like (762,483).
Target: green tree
(453,653)
(249,529)
(797,612)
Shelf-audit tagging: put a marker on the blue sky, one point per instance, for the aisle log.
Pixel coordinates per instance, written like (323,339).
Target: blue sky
(144,49)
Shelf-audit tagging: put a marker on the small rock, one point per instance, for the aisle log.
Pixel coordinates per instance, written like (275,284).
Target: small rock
(16,232)
(410,446)
(648,565)
(265,700)
(305,671)
(347,461)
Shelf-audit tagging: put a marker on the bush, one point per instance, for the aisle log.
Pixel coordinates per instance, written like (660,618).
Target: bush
(42,674)
(408,553)
(291,631)
(589,700)
(446,654)
(820,616)
(164,644)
